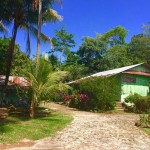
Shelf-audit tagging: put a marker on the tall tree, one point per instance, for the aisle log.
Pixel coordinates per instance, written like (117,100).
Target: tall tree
(54,62)
(115,36)
(95,51)
(139,49)
(116,57)
(39,32)
(63,41)
(90,53)
(71,65)
(52,16)
(146,29)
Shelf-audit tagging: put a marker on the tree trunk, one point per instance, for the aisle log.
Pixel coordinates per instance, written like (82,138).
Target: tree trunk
(38,36)
(10,54)
(61,53)
(32,111)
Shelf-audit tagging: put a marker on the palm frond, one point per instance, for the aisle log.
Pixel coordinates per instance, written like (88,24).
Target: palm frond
(56,77)
(34,31)
(3,28)
(51,15)
(55,89)
(31,30)
(46,82)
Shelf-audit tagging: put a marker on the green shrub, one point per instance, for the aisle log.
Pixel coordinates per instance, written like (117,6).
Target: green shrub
(102,92)
(80,101)
(132,98)
(144,121)
(141,103)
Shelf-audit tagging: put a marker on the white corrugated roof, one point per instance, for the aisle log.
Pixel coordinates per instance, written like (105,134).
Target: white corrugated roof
(114,71)
(108,72)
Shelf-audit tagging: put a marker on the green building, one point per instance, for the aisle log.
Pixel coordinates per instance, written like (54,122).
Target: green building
(133,79)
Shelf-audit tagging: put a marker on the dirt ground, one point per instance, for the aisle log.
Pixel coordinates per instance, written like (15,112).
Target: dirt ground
(91,131)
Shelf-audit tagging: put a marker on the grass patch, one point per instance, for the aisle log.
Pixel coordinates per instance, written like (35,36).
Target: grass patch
(16,128)
(147,130)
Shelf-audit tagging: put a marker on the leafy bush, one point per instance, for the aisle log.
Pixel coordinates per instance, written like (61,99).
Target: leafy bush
(141,103)
(132,98)
(76,100)
(102,92)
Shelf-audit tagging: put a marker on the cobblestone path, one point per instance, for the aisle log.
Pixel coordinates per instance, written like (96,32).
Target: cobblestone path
(91,131)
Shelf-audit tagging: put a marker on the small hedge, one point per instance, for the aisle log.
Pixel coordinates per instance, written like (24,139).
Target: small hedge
(141,104)
(96,94)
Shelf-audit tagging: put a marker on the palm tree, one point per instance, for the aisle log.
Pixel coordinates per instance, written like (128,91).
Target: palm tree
(23,16)
(43,83)
(52,17)
(39,31)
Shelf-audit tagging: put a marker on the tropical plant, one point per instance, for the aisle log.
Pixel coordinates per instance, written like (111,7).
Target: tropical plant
(44,84)
(23,15)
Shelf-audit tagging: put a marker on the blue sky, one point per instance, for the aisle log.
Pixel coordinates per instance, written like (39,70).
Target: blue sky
(88,17)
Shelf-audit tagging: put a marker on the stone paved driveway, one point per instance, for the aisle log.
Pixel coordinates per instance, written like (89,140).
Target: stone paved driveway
(91,131)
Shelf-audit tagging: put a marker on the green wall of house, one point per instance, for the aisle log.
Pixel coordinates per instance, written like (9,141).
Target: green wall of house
(131,83)
(141,86)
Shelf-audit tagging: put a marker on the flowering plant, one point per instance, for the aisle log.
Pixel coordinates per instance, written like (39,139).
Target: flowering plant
(67,97)
(76,100)
(83,98)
